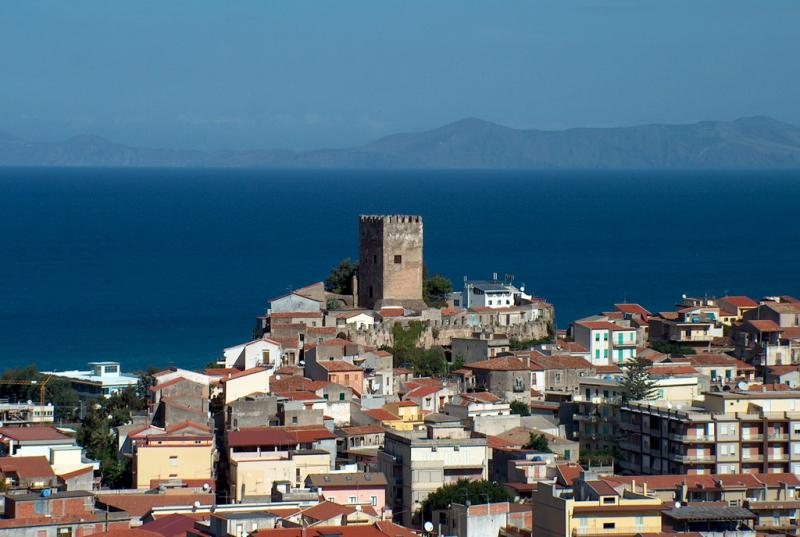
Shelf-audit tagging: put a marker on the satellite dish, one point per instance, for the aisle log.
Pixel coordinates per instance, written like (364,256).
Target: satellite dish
(428,526)
(742,386)
(358,508)
(677,505)
(197,504)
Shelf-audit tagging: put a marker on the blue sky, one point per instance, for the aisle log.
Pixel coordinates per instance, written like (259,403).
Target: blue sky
(294,74)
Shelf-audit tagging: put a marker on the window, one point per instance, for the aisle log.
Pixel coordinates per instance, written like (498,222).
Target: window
(265,357)
(597,353)
(341,396)
(609,525)
(353,499)
(370,291)
(597,336)
(374,259)
(173,460)
(294,419)
(639,523)
(374,500)
(64,532)
(608,500)
(605,336)
(398,259)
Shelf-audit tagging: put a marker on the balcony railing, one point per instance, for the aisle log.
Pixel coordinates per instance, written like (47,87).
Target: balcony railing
(752,437)
(686,458)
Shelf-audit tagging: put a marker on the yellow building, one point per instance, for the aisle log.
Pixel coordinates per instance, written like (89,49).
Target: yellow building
(252,474)
(409,412)
(179,453)
(593,507)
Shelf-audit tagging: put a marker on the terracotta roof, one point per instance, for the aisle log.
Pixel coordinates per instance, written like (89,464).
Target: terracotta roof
(336,342)
(402,371)
(321,330)
(159,387)
(26,467)
(607,369)
(383,354)
(740,301)
(130,532)
(381,414)
(422,391)
(174,525)
(278,436)
(139,504)
(452,311)
(296,315)
(669,370)
(297,395)
(711,359)
(770,387)
(571,346)
(483,397)
(392,312)
(327,510)
(561,361)
(503,363)
(783,369)
(76,473)
(495,442)
(291,370)
(378,529)
(32,434)
(567,473)
(355,430)
(404,403)
(221,371)
(765,326)
(633,309)
(338,365)
(295,383)
(244,373)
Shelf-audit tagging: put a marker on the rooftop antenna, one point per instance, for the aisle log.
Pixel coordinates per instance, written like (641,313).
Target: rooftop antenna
(494,276)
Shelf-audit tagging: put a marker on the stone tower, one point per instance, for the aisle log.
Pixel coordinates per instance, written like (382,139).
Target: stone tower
(390,261)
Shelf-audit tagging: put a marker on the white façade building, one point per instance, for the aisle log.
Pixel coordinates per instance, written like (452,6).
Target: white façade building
(257,353)
(608,343)
(102,379)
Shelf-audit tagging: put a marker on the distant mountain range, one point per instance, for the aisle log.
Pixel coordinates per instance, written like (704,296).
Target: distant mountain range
(747,143)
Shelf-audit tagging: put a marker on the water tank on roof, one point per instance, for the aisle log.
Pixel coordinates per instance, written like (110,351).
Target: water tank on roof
(46,493)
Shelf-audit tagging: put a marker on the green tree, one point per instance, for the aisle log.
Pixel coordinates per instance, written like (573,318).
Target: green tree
(671,348)
(526,344)
(457,364)
(520,408)
(435,289)
(538,442)
(340,279)
(462,491)
(147,379)
(636,383)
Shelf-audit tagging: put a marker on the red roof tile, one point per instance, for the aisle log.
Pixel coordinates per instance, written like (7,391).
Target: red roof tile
(278,436)
(503,363)
(32,434)
(338,365)
(26,467)
(139,504)
(765,326)
(296,315)
(381,414)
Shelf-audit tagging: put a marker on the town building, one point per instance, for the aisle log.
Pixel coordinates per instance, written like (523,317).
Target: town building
(608,342)
(416,463)
(102,379)
(728,432)
(351,488)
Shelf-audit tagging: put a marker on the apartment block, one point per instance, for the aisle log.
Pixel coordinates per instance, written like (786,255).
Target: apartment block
(728,433)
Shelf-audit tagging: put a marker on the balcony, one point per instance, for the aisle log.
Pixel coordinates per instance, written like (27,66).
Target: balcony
(691,459)
(691,438)
(630,446)
(626,344)
(778,437)
(752,457)
(777,457)
(586,417)
(752,437)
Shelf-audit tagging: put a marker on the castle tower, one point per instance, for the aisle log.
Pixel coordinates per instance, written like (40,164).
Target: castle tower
(390,261)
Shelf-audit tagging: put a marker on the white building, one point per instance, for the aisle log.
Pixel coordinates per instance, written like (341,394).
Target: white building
(257,353)
(484,294)
(292,302)
(103,379)
(608,343)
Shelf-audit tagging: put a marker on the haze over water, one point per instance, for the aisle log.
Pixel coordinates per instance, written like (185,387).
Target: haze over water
(168,267)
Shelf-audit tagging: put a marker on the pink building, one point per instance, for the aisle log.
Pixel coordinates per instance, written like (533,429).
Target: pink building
(352,488)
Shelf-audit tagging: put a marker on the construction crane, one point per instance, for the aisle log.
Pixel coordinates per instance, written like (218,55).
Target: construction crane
(41,384)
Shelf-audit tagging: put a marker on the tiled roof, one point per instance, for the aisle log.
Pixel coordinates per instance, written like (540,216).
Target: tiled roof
(170,526)
(241,374)
(607,369)
(296,315)
(740,301)
(381,414)
(452,311)
(422,391)
(604,325)
(378,529)
(567,473)
(335,342)
(669,370)
(483,397)
(338,365)
(633,309)
(278,436)
(355,430)
(503,363)
(561,361)
(26,467)
(711,359)
(32,434)
(139,504)
(765,326)
(295,383)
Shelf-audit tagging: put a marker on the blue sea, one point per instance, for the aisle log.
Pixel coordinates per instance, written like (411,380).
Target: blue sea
(168,267)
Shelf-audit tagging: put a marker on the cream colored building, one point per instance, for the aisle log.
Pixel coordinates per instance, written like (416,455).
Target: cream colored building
(178,453)
(238,385)
(252,474)
(593,507)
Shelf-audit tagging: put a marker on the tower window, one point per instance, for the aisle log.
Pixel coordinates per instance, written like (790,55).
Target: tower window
(375,259)
(370,291)
(398,259)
